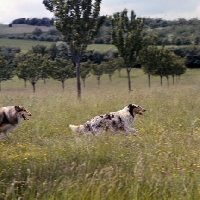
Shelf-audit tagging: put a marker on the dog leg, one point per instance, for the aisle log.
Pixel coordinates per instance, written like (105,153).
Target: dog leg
(4,135)
(131,130)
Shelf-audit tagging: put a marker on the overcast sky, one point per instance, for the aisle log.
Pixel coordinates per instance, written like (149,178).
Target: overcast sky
(166,9)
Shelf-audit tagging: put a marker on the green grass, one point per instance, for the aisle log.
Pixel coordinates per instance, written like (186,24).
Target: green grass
(43,159)
(26,45)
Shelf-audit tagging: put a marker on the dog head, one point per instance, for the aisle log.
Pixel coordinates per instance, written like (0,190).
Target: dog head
(135,109)
(22,112)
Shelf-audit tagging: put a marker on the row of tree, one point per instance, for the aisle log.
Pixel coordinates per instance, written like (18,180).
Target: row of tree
(161,62)
(56,62)
(79,21)
(34,21)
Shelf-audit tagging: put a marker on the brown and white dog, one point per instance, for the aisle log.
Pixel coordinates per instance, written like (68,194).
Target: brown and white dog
(116,122)
(10,118)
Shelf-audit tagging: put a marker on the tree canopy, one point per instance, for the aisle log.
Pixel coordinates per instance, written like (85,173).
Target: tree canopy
(127,36)
(6,70)
(79,22)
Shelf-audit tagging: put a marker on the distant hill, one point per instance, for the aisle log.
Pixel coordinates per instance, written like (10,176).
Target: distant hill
(175,32)
(34,21)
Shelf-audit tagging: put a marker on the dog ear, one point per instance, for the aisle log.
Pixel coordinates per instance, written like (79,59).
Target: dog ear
(130,105)
(17,108)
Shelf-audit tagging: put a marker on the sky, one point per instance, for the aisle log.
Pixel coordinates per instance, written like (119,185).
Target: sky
(165,9)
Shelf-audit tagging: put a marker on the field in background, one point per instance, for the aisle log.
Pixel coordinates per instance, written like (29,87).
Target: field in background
(43,159)
(21,29)
(26,45)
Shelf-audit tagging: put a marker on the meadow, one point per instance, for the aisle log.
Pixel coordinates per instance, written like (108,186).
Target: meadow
(26,45)
(44,160)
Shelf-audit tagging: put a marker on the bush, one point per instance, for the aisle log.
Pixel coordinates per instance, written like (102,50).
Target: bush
(37,32)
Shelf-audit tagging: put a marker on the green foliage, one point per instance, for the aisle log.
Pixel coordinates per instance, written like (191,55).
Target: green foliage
(61,70)
(98,70)
(127,36)
(6,70)
(150,57)
(37,31)
(85,70)
(79,22)
(109,68)
(30,68)
(39,49)
(160,61)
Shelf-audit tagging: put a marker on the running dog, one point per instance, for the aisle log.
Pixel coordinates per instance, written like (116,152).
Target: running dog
(10,118)
(116,122)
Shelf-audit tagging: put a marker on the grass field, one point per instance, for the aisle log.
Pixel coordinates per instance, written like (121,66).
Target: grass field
(26,45)
(21,29)
(44,160)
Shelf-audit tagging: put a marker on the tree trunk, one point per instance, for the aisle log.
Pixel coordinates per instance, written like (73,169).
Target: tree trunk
(33,84)
(25,83)
(110,77)
(0,85)
(78,82)
(119,70)
(128,70)
(98,79)
(149,79)
(161,80)
(168,81)
(63,85)
(173,79)
(83,82)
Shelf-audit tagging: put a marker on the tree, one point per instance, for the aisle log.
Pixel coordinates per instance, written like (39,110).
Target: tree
(44,70)
(97,56)
(119,63)
(85,70)
(31,68)
(42,50)
(21,67)
(61,70)
(6,70)
(109,68)
(79,22)
(127,36)
(169,65)
(150,58)
(97,70)
(37,32)
(110,54)
(178,68)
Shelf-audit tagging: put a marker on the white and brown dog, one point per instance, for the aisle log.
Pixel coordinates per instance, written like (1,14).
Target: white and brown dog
(116,122)
(10,118)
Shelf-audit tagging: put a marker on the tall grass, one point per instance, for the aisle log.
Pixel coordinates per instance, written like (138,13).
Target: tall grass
(43,159)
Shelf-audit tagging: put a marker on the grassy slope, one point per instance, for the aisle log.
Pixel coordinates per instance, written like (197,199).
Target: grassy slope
(21,29)
(26,45)
(43,159)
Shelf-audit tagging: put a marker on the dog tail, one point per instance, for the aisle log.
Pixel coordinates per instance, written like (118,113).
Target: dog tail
(76,129)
